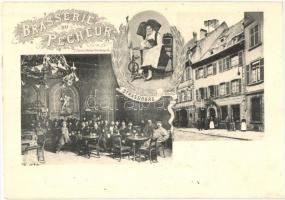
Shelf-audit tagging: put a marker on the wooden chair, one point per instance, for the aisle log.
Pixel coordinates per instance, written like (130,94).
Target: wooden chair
(149,150)
(118,148)
(41,149)
(95,148)
(166,144)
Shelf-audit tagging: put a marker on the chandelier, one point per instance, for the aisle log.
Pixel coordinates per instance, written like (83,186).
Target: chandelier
(38,69)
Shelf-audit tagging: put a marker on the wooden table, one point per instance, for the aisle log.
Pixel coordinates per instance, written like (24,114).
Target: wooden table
(89,138)
(135,140)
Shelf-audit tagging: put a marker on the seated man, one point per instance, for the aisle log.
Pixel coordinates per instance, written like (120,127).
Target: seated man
(148,129)
(160,133)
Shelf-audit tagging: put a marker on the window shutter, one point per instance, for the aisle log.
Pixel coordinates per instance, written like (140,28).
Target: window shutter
(197,95)
(228,62)
(227,87)
(240,58)
(262,69)
(218,90)
(205,93)
(239,85)
(196,74)
(205,71)
(215,68)
(220,65)
(247,74)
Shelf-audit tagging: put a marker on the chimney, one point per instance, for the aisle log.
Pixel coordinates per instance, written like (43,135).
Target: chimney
(195,36)
(203,33)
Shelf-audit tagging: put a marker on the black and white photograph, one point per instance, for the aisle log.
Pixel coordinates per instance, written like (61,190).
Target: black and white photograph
(70,110)
(221,94)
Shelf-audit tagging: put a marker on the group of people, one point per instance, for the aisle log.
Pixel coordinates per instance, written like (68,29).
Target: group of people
(206,123)
(211,123)
(71,131)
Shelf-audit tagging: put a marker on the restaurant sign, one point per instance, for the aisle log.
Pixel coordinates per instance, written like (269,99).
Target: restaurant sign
(66,29)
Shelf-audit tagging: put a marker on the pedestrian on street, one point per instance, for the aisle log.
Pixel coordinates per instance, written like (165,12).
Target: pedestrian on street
(198,124)
(212,125)
(206,124)
(243,125)
(233,125)
(228,123)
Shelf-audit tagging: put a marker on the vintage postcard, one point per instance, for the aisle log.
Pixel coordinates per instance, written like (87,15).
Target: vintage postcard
(143,100)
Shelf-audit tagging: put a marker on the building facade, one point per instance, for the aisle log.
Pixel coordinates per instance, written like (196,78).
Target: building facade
(253,29)
(225,81)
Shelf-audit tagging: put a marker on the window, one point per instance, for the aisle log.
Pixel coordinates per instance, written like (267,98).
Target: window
(222,89)
(224,64)
(236,112)
(210,70)
(197,95)
(254,36)
(190,95)
(227,63)
(182,96)
(224,112)
(255,72)
(240,58)
(216,90)
(188,73)
(200,73)
(236,86)
(202,93)
(256,109)
(234,60)
(220,63)
(211,91)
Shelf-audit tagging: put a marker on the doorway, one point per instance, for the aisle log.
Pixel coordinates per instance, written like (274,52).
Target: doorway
(212,113)
(183,122)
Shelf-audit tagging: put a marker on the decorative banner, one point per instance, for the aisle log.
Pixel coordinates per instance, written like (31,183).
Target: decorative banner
(137,97)
(66,29)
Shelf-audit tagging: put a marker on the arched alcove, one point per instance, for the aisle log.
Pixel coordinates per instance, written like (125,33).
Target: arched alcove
(63,101)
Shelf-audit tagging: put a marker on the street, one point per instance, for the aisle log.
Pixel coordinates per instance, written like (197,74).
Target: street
(182,135)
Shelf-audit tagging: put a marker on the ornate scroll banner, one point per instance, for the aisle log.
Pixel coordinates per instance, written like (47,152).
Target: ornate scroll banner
(125,55)
(67,29)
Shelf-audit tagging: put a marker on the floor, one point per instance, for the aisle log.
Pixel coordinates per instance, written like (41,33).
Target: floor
(68,157)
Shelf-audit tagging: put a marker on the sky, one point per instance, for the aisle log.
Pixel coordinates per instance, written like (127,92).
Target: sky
(187,18)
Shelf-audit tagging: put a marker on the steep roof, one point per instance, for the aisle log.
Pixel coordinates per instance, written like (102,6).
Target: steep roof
(206,43)
(228,38)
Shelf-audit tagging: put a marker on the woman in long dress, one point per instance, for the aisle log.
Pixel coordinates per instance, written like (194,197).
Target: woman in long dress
(153,53)
(212,124)
(64,137)
(243,125)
